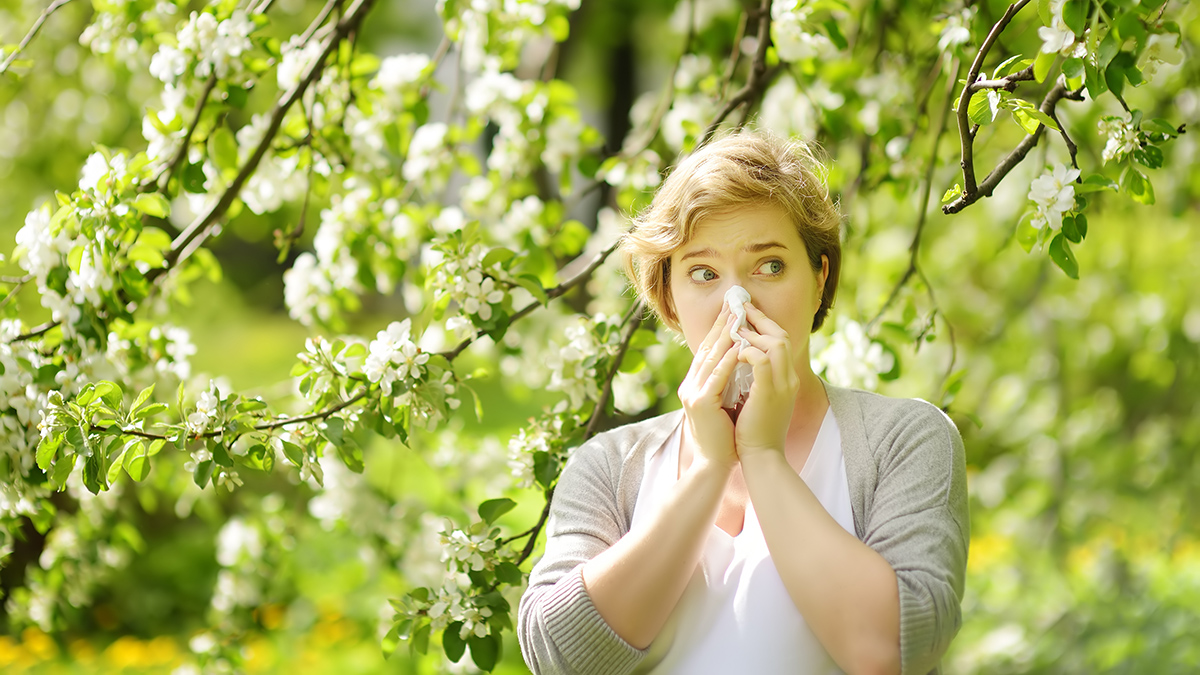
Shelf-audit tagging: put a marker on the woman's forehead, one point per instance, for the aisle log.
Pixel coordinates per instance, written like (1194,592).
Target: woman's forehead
(751,228)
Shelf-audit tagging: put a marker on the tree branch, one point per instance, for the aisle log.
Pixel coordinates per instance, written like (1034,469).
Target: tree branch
(37,25)
(181,154)
(552,293)
(964,102)
(755,84)
(985,189)
(923,208)
(196,233)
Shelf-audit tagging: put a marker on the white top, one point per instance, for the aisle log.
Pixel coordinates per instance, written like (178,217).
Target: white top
(735,615)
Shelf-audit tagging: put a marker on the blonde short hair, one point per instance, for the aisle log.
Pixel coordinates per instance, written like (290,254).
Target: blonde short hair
(736,170)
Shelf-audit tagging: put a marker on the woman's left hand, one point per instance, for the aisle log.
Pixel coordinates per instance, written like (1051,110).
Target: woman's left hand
(763,422)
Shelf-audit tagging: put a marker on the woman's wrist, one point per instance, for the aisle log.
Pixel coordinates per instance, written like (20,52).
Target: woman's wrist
(716,468)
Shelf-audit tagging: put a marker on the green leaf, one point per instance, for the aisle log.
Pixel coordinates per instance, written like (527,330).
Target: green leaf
(1074,14)
(202,473)
(93,474)
(492,509)
(532,284)
(193,178)
(1095,183)
(47,449)
(509,573)
(545,469)
(952,194)
(1137,186)
(1045,12)
(1060,253)
(1069,231)
(1093,80)
(983,107)
(452,644)
(1042,65)
(222,147)
(149,411)
(1081,225)
(1107,50)
(1161,126)
(142,398)
(1027,234)
(1072,67)
(485,651)
(1149,156)
(351,455)
(136,464)
(570,239)
(420,640)
(497,256)
(334,430)
(390,642)
(293,453)
(152,204)
(116,463)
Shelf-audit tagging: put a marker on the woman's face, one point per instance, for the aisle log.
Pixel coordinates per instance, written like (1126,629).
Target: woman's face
(758,248)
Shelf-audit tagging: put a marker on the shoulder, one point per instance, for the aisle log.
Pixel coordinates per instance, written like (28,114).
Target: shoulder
(885,418)
(609,451)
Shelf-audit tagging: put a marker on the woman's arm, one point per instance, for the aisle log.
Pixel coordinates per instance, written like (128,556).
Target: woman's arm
(846,592)
(637,583)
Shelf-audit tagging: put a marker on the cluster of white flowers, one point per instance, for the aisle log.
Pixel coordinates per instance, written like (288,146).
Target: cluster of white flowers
(957,30)
(277,179)
(1122,138)
(794,36)
(1160,48)
(640,173)
(885,91)
(475,288)
(298,55)
(393,356)
(1057,37)
(485,29)
(851,358)
(520,452)
(206,411)
(1053,194)
(428,154)
(573,366)
(111,30)
(346,499)
(214,46)
(312,281)
(466,550)
(240,549)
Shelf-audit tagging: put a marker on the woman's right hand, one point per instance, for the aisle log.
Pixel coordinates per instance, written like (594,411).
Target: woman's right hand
(700,393)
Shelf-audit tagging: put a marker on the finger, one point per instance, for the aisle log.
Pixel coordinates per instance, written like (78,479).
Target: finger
(714,386)
(763,323)
(764,372)
(778,350)
(719,351)
(714,333)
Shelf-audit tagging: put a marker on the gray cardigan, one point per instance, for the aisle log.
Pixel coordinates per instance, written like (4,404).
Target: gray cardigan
(906,471)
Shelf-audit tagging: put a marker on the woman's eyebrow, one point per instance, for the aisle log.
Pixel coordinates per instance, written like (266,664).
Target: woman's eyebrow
(749,248)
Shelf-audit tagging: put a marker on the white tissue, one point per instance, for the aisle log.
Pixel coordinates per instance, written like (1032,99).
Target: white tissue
(738,387)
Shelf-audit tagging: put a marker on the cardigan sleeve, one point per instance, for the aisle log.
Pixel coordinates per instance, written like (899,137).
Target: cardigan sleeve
(918,521)
(558,627)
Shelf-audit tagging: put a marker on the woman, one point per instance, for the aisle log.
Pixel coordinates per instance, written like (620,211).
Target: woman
(826,530)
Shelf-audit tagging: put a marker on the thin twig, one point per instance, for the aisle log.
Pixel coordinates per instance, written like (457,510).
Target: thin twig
(37,25)
(655,126)
(200,229)
(632,319)
(181,154)
(552,293)
(757,81)
(736,55)
(985,189)
(949,326)
(12,292)
(923,205)
(964,102)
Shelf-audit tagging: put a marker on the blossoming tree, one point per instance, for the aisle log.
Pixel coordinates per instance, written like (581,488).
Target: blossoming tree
(475,184)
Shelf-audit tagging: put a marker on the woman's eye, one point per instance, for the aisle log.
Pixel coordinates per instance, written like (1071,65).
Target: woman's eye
(702,274)
(773,266)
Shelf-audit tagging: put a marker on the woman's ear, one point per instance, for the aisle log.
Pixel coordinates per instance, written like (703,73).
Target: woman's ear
(822,277)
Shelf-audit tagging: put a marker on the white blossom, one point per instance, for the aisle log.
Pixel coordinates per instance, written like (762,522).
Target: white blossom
(297,57)
(851,358)
(957,30)
(481,294)
(393,356)
(1122,138)
(238,541)
(397,72)
(1160,48)
(794,38)
(466,549)
(1053,193)
(427,153)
